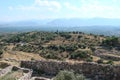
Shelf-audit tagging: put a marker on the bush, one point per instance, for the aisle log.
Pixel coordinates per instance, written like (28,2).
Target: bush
(100,61)
(53,47)
(109,62)
(1,52)
(82,46)
(80,54)
(71,48)
(90,59)
(111,41)
(62,48)
(68,75)
(80,36)
(50,56)
(65,35)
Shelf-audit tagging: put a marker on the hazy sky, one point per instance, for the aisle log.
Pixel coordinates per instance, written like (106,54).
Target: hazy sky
(15,10)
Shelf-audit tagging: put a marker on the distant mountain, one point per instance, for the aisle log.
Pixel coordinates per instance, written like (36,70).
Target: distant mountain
(85,22)
(26,23)
(95,25)
(67,22)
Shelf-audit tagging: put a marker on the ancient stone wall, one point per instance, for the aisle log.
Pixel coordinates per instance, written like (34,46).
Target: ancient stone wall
(27,75)
(5,70)
(40,78)
(27,72)
(92,70)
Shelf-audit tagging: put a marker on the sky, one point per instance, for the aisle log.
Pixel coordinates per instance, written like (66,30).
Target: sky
(18,10)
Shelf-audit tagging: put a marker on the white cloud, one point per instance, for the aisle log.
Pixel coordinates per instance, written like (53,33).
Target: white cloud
(39,5)
(83,8)
(72,7)
(93,8)
(46,3)
(26,8)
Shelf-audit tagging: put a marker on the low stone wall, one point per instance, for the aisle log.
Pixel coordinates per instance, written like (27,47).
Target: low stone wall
(5,70)
(39,78)
(110,57)
(27,75)
(91,70)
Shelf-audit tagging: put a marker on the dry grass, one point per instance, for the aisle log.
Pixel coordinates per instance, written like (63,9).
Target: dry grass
(14,75)
(14,57)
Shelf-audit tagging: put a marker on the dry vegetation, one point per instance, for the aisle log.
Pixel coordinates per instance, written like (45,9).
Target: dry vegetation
(13,75)
(69,46)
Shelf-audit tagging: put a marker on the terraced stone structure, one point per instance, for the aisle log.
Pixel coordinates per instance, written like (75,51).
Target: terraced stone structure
(90,70)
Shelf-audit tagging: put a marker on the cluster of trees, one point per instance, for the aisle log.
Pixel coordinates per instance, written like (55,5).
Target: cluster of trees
(28,48)
(56,52)
(66,35)
(111,41)
(30,36)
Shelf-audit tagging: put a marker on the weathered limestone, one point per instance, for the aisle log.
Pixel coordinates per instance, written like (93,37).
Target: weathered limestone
(91,70)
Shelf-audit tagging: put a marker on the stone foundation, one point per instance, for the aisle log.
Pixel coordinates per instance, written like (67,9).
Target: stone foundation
(5,70)
(90,70)
(26,76)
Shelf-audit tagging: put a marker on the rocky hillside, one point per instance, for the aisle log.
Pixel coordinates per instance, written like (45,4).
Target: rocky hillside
(61,46)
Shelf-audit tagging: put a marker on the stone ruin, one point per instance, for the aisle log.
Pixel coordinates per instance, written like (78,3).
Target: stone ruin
(90,70)
(27,73)
(8,68)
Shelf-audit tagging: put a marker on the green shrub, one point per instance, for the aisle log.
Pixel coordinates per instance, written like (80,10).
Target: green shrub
(68,75)
(90,59)
(1,52)
(32,59)
(53,47)
(110,62)
(100,61)
(111,41)
(62,48)
(66,35)
(80,54)
(82,46)
(80,36)
(70,48)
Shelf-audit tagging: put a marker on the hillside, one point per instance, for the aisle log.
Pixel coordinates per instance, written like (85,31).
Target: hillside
(68,46)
